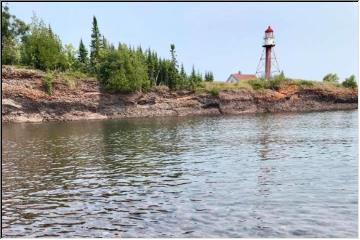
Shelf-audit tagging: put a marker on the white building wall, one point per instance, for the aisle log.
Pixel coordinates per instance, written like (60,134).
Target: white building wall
(231,79)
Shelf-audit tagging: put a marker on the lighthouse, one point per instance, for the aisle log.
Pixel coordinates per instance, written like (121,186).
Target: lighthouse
(269,60)
(269,43)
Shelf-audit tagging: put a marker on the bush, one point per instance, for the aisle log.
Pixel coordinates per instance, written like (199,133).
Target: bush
(47,82)
(350,82)
(258,83)
(214,92)
(332,78)
(275,82)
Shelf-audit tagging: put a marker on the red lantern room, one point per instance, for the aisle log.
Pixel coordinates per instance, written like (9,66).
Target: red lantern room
(269,32)
(269,37)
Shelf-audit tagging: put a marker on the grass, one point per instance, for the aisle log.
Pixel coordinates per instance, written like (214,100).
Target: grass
(316,84)
(72,78)
(214,92)
(276,83)
(215,87)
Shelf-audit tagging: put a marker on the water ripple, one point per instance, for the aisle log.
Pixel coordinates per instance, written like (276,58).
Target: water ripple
(279,175)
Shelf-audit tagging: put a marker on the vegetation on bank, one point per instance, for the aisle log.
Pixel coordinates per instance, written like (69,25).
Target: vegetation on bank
(120,68)
(276,83)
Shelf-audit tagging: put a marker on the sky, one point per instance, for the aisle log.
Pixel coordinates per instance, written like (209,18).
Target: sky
(312,39)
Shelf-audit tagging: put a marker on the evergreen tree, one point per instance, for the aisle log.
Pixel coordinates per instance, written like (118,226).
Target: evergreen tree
(183,78)
(209,76)
(173,55)
(83,53)
(182,72)
(173,75)
(95,43)
(104,43)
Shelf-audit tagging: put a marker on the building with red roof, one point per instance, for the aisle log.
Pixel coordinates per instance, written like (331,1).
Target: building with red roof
(237,77)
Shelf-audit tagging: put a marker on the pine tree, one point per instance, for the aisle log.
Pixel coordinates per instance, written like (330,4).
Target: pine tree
(82,56)
(173,55)
(95,43)
(174,78)
(209,76)
(182,72)
(104,43)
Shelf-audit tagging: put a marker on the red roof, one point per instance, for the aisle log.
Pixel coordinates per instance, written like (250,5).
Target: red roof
(240,76)
(269,29)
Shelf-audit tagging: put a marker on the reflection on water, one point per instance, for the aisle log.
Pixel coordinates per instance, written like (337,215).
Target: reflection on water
(280,175)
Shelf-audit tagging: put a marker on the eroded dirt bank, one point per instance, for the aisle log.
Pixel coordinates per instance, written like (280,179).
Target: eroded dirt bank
(24,100)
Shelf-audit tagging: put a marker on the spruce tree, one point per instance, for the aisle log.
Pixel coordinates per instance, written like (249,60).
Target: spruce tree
(95,43)
(209,76)
(104,43)
(82,57)
(182,72)
(173,55)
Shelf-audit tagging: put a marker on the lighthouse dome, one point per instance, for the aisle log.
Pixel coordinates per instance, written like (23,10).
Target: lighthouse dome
(269,30)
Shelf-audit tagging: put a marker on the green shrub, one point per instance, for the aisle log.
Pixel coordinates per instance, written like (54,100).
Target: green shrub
(332,78)
(304,83)
(275,82)
(214,92)
(47,82)
(350,82)
(258,83)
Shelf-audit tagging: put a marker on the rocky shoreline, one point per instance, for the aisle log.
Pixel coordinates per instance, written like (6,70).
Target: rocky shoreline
(24,100)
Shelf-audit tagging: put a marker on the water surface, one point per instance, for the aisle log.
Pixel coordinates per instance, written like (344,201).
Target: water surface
(267,175)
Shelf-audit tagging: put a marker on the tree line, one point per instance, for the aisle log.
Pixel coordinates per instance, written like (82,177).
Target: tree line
(120,68)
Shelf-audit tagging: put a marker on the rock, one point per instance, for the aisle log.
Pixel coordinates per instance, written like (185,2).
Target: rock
(10,103)
(25,101)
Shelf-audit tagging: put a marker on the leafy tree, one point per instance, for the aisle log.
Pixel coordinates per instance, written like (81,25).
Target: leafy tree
(332,78)
(350,82)
(95,44)
(122,70)
(70,54)
(42,49)
(12,30)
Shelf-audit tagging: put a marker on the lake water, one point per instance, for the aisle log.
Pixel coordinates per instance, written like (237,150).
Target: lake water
(266,175)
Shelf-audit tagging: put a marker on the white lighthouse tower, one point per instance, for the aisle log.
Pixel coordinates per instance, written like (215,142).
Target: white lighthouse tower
(268,45)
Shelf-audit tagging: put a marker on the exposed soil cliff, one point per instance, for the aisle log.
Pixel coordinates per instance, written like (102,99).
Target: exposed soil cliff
(24,100)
